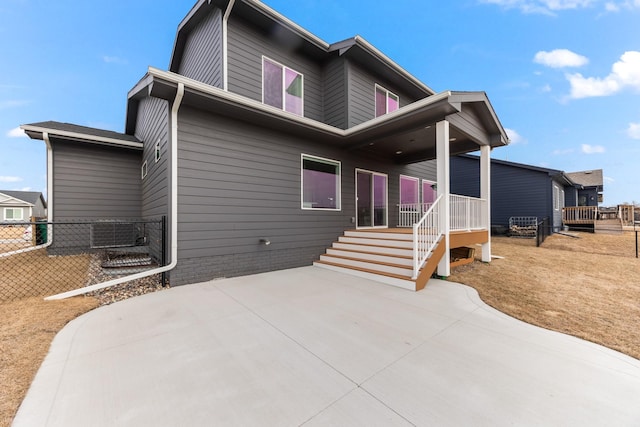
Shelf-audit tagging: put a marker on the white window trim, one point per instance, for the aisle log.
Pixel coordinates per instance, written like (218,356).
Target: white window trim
(413,178)
(386,99)
(386,219)
(338,207)
(157,153)
(432,183)
(556,197)
(144,170)
(284,89)
(14,219)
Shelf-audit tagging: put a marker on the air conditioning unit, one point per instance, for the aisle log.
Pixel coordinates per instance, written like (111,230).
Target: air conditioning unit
(113,234)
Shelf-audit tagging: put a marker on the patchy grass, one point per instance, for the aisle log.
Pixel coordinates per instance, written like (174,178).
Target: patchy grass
(57,273)
(588,287)
(26,331)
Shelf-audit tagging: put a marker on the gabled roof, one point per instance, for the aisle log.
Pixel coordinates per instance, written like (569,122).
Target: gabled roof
(264,17)
(590,178)
(81,133)
(557,174)
(29,197)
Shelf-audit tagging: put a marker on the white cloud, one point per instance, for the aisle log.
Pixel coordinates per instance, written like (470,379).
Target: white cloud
(113,59)
(515,137)
(541,6)
(10,179)
(560,58)
(608,179)
(546,88)
(592,149)
(624,73)
(550,7)
(12,103)
(16,133)
(633,131)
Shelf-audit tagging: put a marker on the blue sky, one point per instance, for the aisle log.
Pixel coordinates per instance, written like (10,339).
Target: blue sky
(563,75)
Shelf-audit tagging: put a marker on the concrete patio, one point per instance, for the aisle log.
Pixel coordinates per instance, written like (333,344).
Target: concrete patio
(314,347)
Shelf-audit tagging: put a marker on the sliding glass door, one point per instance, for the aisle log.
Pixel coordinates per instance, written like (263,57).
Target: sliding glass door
(371,199)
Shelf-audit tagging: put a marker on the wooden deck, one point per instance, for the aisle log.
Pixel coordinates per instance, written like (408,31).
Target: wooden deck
(457,239)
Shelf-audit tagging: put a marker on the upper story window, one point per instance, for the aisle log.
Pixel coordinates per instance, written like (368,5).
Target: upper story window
(282,87)
(386,101)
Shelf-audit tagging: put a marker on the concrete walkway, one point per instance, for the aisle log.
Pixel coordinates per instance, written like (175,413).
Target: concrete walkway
(314,347)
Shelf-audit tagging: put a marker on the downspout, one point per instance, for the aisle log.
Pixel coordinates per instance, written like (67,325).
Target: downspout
(45,138)
(174,214)
(225,51)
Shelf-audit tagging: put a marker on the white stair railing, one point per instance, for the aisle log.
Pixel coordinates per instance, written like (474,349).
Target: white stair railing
(426,233)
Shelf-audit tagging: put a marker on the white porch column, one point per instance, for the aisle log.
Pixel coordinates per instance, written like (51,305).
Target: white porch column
(485,193)
(443,166)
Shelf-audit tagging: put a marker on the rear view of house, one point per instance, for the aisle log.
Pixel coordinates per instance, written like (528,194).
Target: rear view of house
(263,144)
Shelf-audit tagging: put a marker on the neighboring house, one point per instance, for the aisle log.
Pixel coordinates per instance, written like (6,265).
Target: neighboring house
(589,186)
(517,190)
(259,133)
(21,205)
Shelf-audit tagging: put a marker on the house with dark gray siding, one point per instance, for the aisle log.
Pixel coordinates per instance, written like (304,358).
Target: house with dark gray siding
(517,189)
(268,148)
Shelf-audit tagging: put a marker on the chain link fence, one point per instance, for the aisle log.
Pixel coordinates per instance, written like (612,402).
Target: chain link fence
(40,258)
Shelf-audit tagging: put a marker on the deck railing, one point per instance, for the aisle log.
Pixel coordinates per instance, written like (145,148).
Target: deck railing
(580,214)
(466,213)
(411,213)
(426,233)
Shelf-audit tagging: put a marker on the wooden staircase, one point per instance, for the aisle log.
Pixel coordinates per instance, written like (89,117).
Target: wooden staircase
(383,255)
(608,226)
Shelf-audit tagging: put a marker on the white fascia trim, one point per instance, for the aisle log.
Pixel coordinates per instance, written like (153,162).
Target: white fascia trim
(174,215)
(375,51)
(20,202)
(239,99)
(288,23)
(76,135)
(225,43)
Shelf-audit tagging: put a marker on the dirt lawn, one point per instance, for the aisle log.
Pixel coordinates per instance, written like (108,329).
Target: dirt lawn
(587,287)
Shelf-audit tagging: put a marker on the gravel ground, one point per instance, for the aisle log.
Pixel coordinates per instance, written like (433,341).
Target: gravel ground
(122,291)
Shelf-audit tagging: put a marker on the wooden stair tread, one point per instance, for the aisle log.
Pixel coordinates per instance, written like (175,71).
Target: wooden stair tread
(386,264)
(373,246)
(372,253)
(366,270)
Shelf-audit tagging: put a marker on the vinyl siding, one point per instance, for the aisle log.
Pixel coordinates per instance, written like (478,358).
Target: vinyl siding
(335,95)
(361,87)
(239,183)
(91,182)
(152,127)
(246,47)
(514,191)
(202,57)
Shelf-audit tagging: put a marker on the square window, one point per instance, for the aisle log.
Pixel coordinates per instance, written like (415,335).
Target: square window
(282,87)
(143,171)
(320,183)
(13,214)
(386,101)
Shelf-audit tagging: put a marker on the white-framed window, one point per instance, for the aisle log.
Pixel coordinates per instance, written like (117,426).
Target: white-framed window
(409,191)
(556,197)
(157,152)
(320,182)
(13,214)
(143,170)
(386,101)
(429,191)
(282,87)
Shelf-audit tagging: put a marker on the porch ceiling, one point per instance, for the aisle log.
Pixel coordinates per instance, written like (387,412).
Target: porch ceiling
(406,135)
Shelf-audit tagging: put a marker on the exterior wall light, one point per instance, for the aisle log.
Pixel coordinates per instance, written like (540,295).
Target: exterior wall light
(265,241)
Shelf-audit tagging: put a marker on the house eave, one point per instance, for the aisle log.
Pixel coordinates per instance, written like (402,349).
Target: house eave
(36,132)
